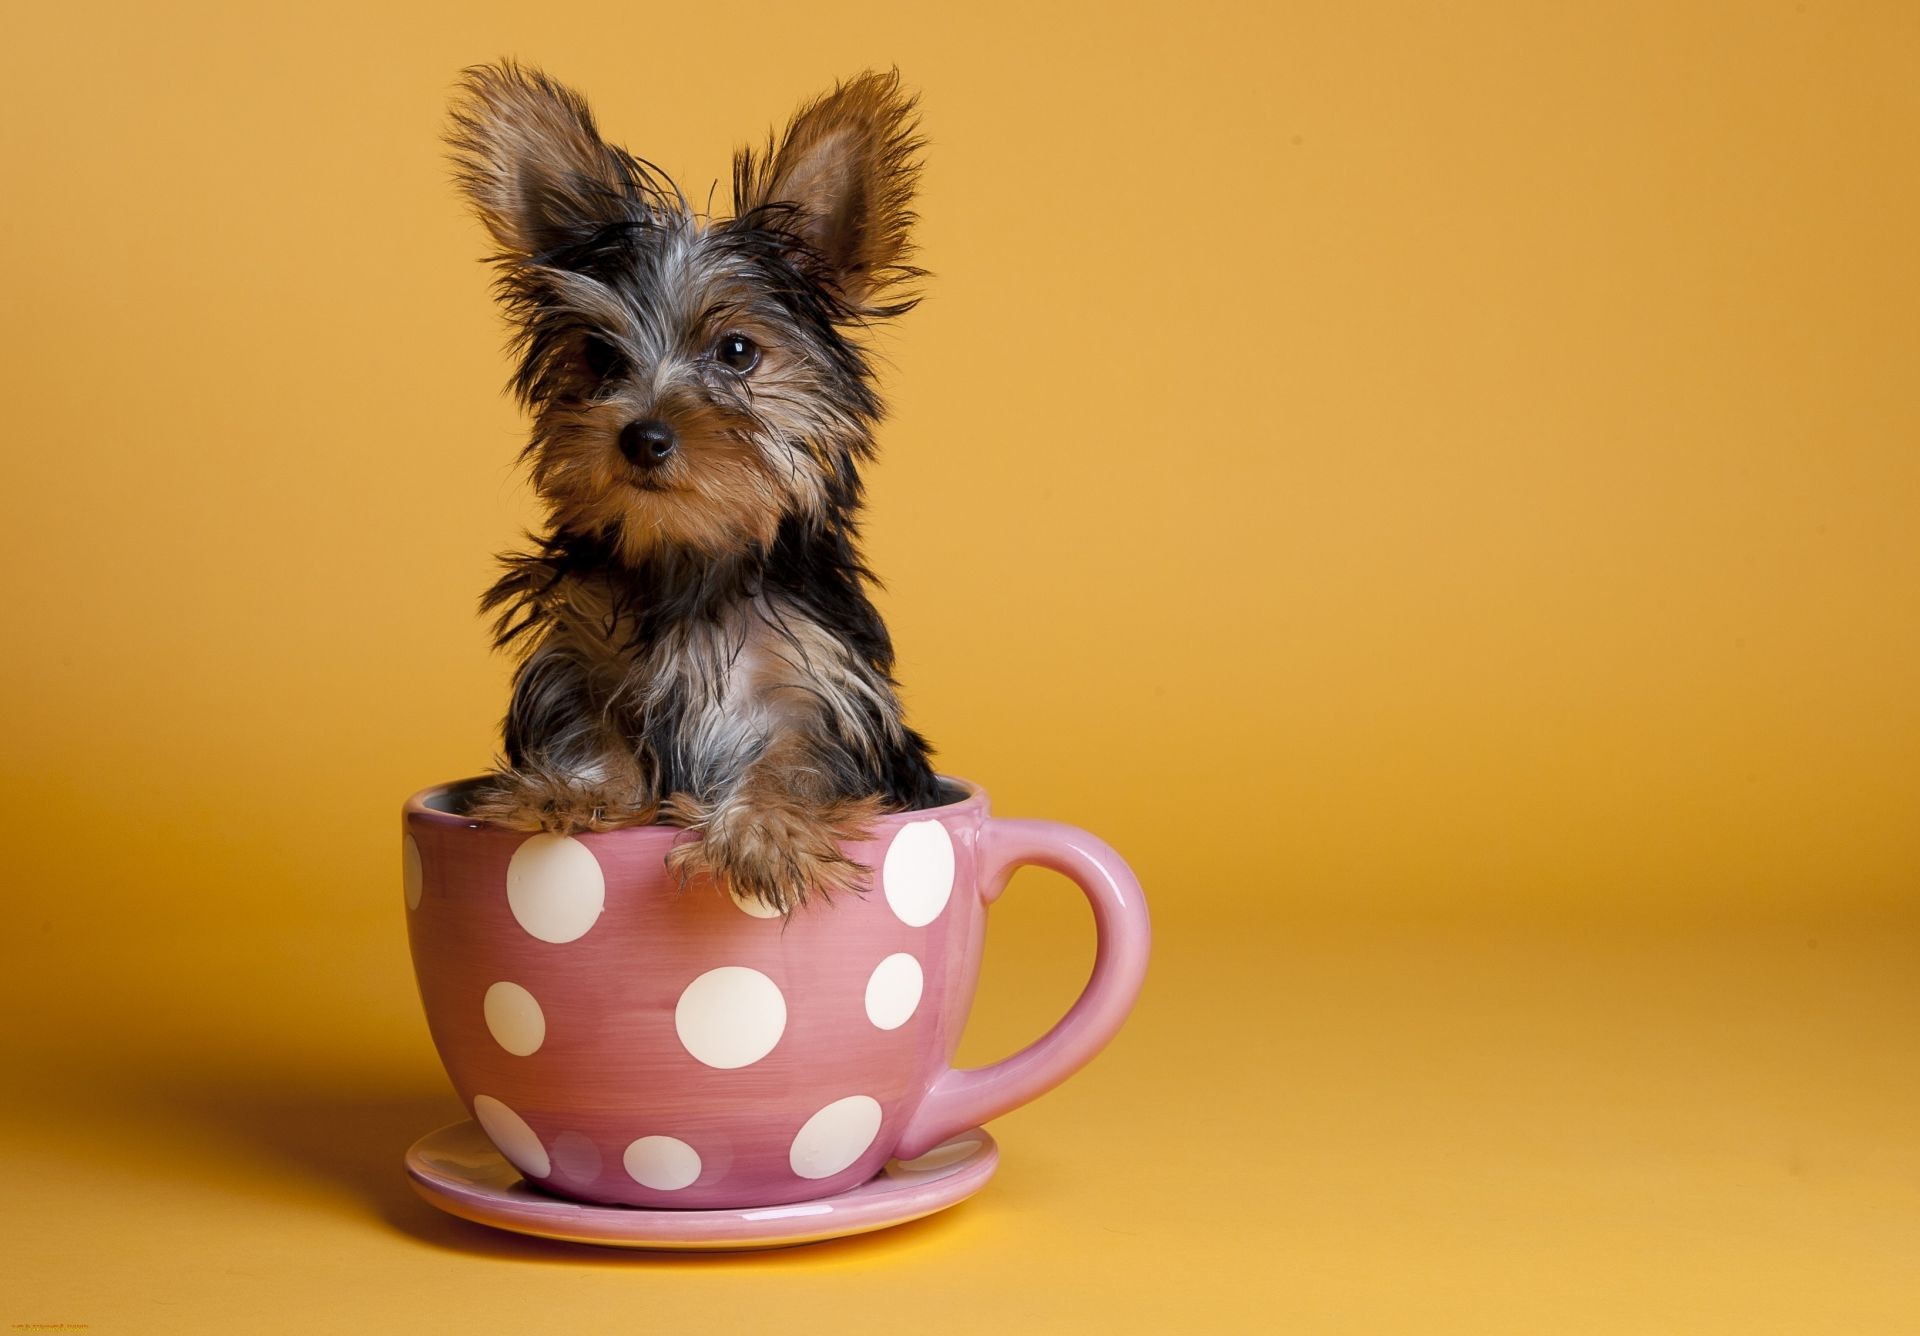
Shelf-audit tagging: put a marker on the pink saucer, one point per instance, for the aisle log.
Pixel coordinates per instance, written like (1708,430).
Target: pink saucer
(458,1170)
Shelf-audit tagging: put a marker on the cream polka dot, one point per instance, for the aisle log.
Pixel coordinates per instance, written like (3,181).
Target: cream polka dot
(666,1164)
(893,991)
(749,905)
(936,1161)
(555,887)
(835,1137)
(511,1136)
(576,1158)
(411,877)
(918,872)
(514,1018)
(731,1016)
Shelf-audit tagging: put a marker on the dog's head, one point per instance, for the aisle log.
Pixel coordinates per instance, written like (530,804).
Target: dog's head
(694,381)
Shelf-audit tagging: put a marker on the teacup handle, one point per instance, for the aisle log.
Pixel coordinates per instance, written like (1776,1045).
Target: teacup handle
(963,1099)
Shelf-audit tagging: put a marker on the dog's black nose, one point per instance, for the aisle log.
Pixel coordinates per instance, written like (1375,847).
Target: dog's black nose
(646,442)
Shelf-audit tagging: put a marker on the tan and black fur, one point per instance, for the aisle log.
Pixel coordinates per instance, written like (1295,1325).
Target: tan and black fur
(698,642)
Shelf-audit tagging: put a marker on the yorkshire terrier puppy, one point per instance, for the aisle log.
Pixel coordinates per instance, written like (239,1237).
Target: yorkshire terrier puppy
(698,642)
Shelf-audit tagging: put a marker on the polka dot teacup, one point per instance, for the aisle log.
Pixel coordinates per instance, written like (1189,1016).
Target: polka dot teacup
(620,1040)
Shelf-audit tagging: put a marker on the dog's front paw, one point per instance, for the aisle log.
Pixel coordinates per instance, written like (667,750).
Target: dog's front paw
(780,853)
(539,800)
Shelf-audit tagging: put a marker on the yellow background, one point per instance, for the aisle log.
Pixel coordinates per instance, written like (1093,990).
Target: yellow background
(1435,485)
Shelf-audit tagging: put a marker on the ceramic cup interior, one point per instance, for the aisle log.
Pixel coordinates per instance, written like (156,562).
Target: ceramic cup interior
(622,1039)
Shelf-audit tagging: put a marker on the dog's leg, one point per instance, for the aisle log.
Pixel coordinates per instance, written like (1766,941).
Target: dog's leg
(569,765)
(774,835)
(540,795)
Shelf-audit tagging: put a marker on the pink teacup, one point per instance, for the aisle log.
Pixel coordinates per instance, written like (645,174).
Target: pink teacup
(621,1040)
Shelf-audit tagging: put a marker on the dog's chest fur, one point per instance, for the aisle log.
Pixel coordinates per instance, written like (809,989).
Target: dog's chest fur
(698,682)
(712,693)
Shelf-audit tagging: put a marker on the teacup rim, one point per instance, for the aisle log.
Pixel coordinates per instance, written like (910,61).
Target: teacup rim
(417,808)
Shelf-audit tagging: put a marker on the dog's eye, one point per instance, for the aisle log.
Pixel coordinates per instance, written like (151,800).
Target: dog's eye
(603,359)
(739,352)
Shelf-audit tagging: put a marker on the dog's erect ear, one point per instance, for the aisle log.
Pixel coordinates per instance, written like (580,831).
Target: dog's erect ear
(844,172)
(527,154)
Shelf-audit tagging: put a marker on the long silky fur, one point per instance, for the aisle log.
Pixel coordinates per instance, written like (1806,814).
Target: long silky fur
(714,658)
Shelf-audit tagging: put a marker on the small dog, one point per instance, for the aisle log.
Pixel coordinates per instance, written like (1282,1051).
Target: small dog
(699,646)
